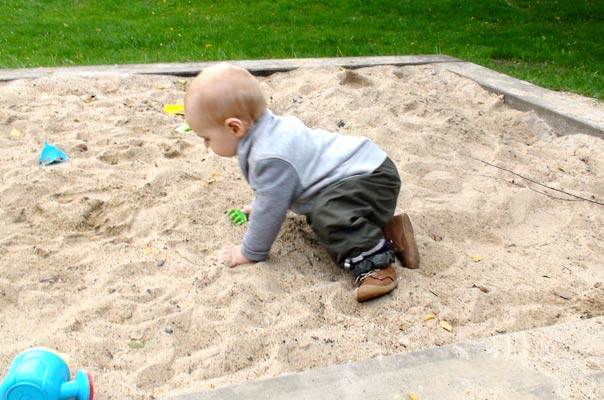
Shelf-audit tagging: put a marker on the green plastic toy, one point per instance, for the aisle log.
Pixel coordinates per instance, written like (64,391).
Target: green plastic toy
(237,216)
(183,128)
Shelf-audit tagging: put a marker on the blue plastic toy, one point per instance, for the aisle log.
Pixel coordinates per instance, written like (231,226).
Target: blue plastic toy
(51,154)
(42,374)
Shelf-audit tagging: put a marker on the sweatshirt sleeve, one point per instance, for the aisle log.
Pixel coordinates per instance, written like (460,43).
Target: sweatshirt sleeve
(276,183)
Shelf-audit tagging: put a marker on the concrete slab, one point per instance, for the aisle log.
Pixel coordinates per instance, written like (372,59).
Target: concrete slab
(564,361)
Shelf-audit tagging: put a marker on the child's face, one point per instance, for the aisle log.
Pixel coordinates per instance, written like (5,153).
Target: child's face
(219,138)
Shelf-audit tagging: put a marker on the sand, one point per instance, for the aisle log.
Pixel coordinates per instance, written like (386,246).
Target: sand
(111,257)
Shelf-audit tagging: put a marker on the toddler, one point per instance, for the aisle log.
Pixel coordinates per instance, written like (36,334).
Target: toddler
(345,186)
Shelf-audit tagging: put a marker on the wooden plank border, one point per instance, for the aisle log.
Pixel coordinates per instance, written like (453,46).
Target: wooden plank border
(257,67)
(567,113)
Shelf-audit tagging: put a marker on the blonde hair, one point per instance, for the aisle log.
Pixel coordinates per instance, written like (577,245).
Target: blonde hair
(225,91)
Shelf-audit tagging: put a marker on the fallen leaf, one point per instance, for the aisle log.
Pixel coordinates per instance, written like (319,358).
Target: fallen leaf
(50,279)
(148,250)
(135,344)
(564,294)
(446,326)
(412,396)
(482,288)
(212,386)
(476,258)
(174,109)
(208,181)
(16,133)
(428,317)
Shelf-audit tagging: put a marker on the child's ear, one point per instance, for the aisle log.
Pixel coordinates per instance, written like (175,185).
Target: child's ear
(237,126)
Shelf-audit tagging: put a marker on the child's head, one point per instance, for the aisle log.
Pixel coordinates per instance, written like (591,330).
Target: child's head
(221,105)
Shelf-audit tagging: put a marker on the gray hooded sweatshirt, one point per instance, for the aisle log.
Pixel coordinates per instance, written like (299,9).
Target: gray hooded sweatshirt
(287,164)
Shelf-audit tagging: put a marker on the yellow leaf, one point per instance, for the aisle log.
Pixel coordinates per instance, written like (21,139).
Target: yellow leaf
(174,109)
(412,396)
(208,45)
(16,133)
(476,258)
(428,317)
(212,386)
(208,181)
(148,250)
(446,326)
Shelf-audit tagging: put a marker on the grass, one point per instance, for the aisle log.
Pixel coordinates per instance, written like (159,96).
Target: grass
(558,44)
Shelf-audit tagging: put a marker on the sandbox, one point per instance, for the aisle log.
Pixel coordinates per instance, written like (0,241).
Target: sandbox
(111,256)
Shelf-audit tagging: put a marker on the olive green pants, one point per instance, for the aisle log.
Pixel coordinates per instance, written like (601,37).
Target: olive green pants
(349,217)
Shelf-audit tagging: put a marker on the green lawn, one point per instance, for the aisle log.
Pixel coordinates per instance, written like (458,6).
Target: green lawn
(556,44)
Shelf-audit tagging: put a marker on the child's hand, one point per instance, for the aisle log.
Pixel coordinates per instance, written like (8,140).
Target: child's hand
(247,209)
(231,254)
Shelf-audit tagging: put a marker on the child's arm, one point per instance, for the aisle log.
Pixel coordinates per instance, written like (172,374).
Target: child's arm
(231,254)
(276,184)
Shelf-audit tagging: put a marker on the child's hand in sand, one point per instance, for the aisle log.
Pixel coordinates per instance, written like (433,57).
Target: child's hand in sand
(231,254)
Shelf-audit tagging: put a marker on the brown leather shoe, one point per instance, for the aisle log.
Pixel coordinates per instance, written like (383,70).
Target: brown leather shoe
(400,233)
(375,283)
